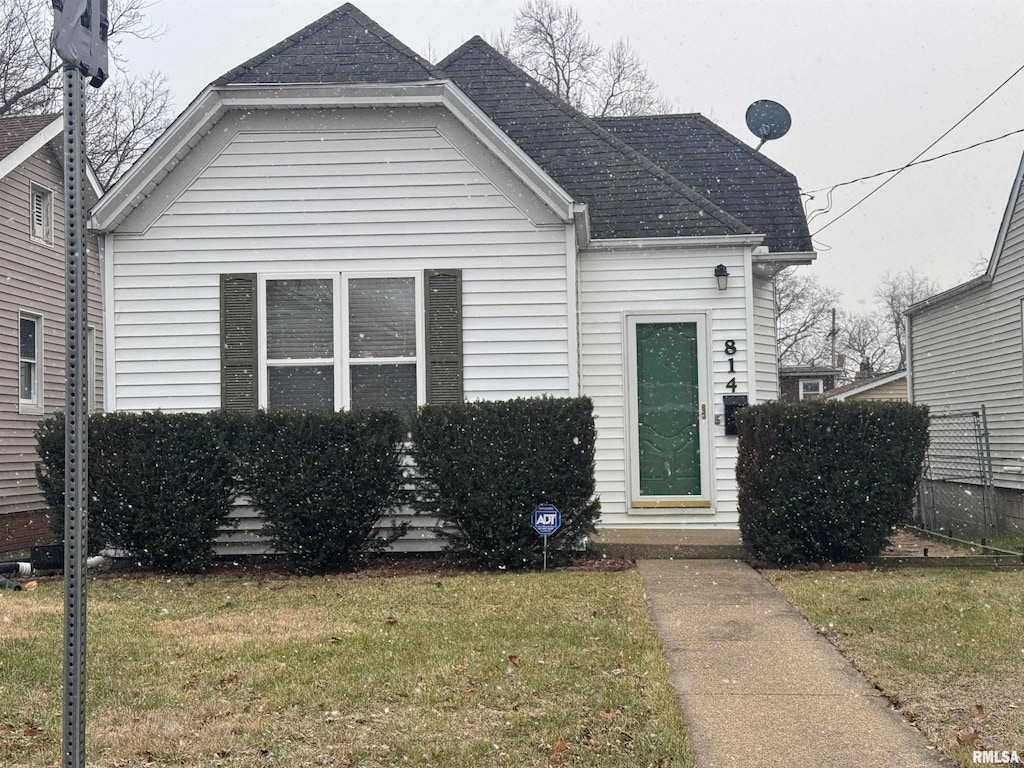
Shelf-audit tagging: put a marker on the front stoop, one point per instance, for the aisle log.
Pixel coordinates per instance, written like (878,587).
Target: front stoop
(666,543)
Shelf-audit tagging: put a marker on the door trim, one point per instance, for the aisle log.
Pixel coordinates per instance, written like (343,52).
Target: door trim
(703,502)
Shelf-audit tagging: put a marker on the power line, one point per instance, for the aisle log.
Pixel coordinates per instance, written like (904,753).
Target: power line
(919,154)
(919,162)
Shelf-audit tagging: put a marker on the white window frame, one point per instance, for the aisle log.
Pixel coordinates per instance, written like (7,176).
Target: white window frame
(45,235)
(261,324)
(342,360)
(347,361)
(821,388)
(692,504)
(33,406)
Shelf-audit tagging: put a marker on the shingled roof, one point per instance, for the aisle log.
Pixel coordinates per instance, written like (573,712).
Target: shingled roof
(716,164)
(629,196)
(15,131)
(345,46)
(664,186)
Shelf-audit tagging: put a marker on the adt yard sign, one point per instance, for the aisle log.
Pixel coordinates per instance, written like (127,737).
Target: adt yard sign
(546,519)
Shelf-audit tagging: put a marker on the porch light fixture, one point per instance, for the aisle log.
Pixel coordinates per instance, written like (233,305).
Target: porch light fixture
(722,276)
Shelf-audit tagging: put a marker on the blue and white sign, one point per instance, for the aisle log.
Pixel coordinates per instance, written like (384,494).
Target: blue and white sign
(546,519)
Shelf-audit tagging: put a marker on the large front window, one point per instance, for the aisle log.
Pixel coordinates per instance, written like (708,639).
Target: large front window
(341,342)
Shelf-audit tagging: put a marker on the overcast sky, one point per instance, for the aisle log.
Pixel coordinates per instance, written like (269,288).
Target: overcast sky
(869,85)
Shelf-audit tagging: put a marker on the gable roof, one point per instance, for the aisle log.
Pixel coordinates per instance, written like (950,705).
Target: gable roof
(717,165)
(16,131)
(628,195)
(344,46)
(858,386)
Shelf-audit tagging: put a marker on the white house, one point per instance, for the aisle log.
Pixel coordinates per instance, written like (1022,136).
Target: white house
(966,350)
(338,223)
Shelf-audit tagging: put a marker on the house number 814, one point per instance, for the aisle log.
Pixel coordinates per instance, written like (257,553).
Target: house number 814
(730,349)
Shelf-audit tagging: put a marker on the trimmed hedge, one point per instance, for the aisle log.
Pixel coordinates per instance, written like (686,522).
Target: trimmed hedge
(827,481)
(160,485)
(323,481)
(484,467)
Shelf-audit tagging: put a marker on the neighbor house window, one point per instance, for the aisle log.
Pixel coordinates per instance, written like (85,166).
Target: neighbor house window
(90,340)
(41,213)
(809,388)
(30,357)
(346,341)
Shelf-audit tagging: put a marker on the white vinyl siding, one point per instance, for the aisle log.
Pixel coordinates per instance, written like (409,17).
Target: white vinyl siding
(347,202)
(967,351)
(616,283)
(766,357)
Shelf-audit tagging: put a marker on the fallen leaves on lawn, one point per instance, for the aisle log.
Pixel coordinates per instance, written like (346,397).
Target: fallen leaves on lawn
(966,736)
(560,746)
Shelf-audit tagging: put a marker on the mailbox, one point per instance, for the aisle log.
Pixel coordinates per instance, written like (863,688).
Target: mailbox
(732,404)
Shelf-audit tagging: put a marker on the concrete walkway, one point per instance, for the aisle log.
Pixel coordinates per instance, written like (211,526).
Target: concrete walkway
(758,686)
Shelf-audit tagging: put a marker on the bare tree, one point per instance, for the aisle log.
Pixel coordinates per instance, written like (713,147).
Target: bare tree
(803,316)
(548,41)
(125,115)
(895,293)
(866,338)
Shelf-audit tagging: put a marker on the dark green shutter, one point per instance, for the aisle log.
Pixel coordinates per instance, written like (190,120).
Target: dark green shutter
(238,358)
(443,309)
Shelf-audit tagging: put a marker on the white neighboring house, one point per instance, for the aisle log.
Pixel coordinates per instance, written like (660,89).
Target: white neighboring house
(966,349)
(338,223)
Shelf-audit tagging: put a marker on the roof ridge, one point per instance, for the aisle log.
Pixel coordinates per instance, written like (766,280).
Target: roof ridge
(590,124)
(348,9)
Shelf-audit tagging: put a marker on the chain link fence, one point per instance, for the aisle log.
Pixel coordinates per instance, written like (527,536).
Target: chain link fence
(956,496)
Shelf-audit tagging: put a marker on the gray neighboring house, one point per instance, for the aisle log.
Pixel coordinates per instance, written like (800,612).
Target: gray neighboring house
(966,350)
(338,223)
(32,314)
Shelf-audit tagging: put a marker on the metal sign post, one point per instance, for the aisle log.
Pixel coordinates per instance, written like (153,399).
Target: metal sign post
(80,38)
(546,520)
(76,427)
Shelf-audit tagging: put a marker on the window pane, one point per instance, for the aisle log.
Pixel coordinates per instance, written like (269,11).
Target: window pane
(384,386)
(382,317)
(28,338)
(307,388)
(300,319)
(27,390)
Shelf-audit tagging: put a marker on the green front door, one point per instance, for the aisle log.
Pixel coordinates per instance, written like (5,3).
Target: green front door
(668,409)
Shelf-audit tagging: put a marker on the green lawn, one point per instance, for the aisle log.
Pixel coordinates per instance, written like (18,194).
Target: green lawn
(561,668)
(946,644)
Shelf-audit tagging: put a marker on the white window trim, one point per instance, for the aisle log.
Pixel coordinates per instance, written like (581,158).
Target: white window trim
(342,359)
(47,237)
(34,406)
(261,327)
(819,382)
(693,504)
(347,360)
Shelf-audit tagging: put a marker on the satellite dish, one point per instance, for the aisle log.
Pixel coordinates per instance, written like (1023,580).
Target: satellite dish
(768,120)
